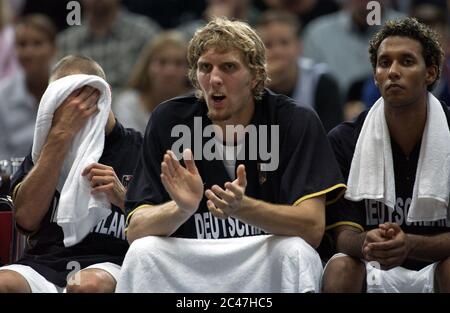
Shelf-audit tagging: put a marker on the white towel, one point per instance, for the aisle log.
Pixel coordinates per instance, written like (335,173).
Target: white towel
(251,264)
(78,210)
(372,170)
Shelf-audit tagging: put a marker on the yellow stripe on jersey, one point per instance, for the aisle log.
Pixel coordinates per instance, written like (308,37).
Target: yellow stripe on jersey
(322,192)
(348,223)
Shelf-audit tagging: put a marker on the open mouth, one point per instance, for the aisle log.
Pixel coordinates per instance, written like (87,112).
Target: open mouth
(218,98)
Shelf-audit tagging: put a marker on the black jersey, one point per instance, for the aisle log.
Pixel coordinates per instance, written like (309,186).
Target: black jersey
(306,168)
(106,242)
(368,214)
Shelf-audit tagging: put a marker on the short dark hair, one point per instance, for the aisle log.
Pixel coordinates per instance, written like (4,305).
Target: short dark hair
(76,64)
(409,27)
(41,23)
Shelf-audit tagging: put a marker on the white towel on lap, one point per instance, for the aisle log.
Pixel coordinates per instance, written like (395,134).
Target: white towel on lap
(78,210)
(372,171)
(250,264)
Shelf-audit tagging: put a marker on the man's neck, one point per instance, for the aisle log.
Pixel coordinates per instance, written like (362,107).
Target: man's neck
(37,85)
(243,120)
(406,125)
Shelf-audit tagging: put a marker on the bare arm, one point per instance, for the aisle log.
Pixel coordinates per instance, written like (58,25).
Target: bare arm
(349,240)
(37,189)
(306,220)
(159,220)
(401,246)
(429,248)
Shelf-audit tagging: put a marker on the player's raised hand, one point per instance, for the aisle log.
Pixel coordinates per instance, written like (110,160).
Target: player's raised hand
(224,203)
(75,110)
(184,185)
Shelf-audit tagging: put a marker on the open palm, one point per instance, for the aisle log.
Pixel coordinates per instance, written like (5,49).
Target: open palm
(184,185)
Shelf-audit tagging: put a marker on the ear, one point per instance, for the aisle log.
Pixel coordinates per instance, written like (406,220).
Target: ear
(431,74)
(253,82)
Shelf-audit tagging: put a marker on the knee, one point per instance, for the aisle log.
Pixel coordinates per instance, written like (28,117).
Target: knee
(144,245)
(92,281)
(294,246)
(344,274)
(442,276)
(13,282)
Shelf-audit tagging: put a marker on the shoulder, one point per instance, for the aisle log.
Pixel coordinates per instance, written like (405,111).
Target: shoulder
(348,132)
(129,136)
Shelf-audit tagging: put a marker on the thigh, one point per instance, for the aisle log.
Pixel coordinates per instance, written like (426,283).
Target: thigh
(400,279)
(23,278)
(93,280)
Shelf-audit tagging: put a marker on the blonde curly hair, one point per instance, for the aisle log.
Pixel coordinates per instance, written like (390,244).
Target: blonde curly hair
(224,35)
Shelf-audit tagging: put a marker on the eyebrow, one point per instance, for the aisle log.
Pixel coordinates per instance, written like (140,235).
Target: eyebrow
(403,55)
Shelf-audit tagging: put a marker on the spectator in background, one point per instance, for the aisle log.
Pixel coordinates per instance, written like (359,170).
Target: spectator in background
(293,75)
(340,40)
(8,61)
(111,36)
(159,74)
(20,93)
(163,11)
(242,10)
(305,10)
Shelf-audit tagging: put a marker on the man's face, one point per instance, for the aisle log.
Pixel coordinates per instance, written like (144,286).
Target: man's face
(168,69)
(34,50)
(401,73)
(227,85)
(283,49)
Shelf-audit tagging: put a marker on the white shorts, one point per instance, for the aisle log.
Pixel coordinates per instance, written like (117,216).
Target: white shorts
(39,284)
(397,279)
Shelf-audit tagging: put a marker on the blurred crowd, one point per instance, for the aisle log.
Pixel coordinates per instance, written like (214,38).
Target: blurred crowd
(316,52)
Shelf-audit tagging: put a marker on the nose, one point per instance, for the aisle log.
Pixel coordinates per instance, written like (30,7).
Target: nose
(394,71)
(216,77)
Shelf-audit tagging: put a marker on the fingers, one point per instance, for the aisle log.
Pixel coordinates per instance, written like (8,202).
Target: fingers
(96,169)
(101,180)
(216,211)
(86,92)
(226,195)
(188,158)
(95,165)
(386,245)
(241,176)
(102,188)
(385,254)
(237,191)
(374,235)
(167,183)
(172,162)
(219,203)
(167,166)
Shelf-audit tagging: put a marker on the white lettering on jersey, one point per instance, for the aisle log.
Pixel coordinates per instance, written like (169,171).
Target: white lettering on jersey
(207,226)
